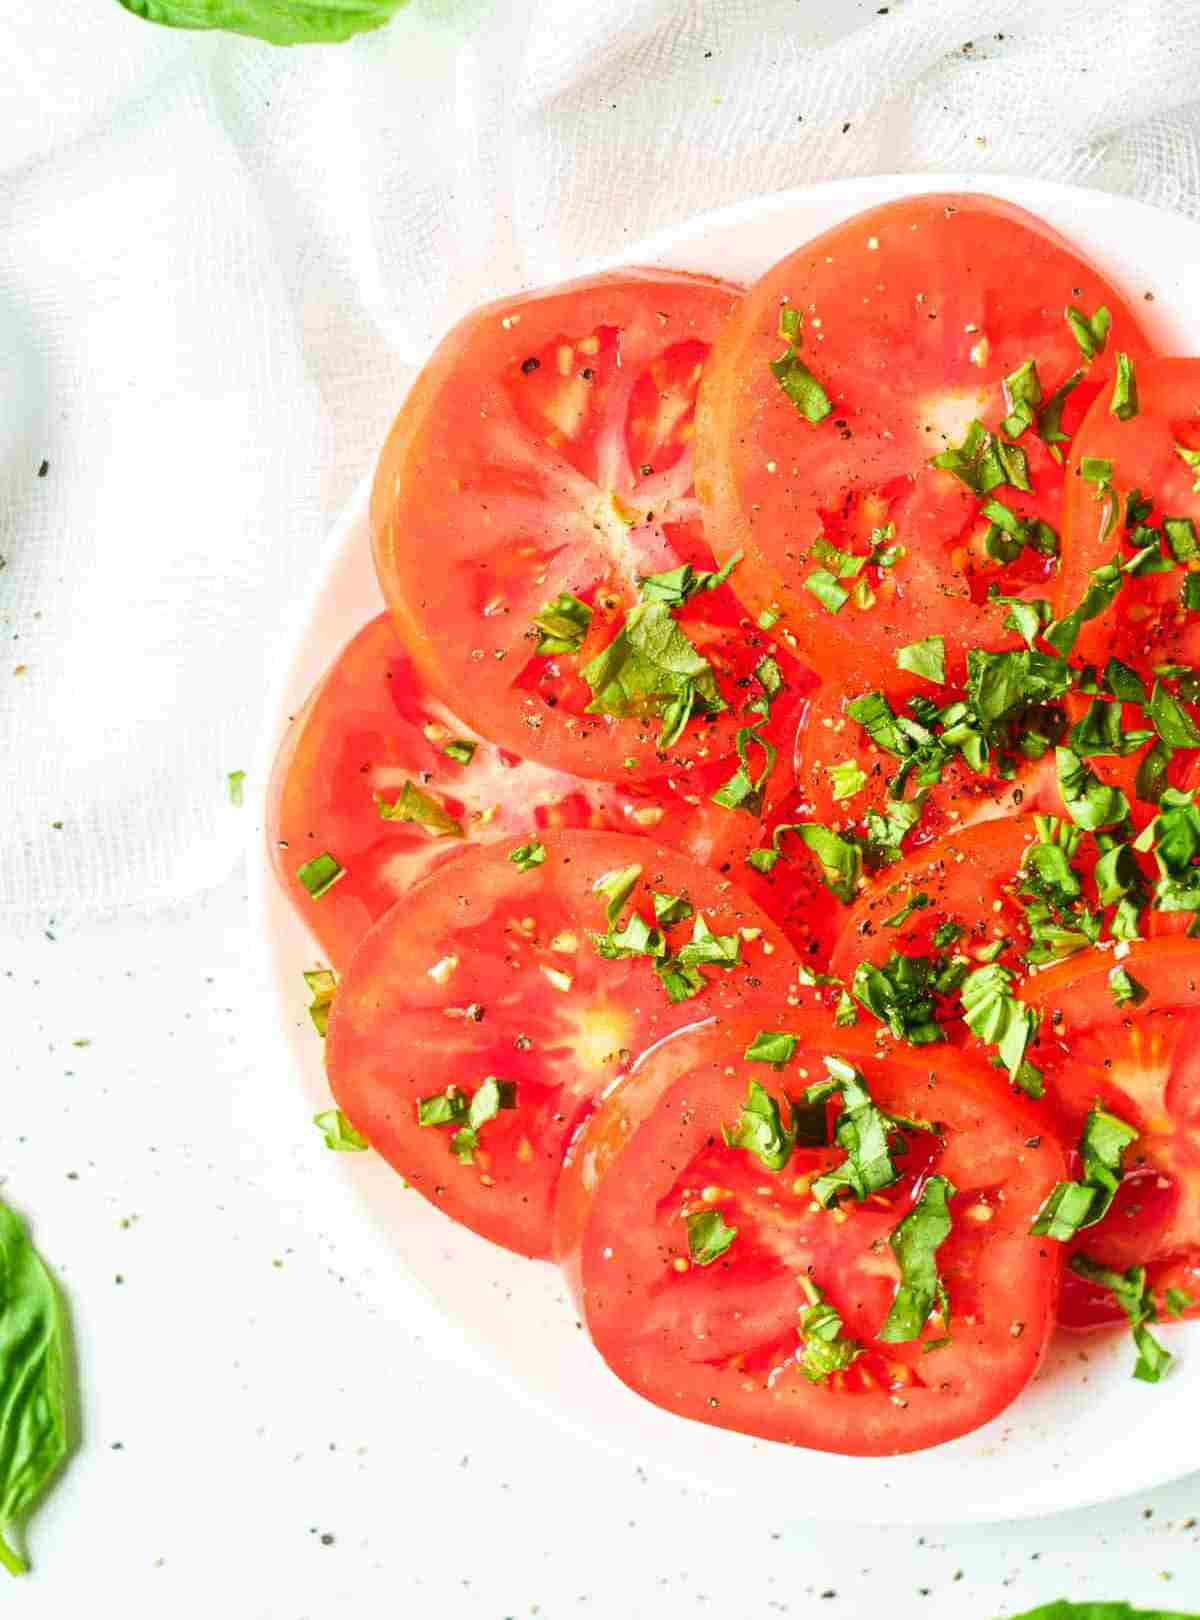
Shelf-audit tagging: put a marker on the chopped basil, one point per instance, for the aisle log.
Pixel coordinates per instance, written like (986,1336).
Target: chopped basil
(915,1243)
(1189,595)
(762,1129)
(840,861)
(916,902)
(1022,396)
(1101,731)
(793,376)
(1171,720)
(826,589)
(708,1236)
(774,1046)
(237,782)
(323,985)
(564,624)
(1126,990)
(1124,404)
(846,779)
(1131,1291)
(671,908)
(414,804)
(527,856)
(925,658)
(1191,458)
(460,751)
(863,1130)
(679,981)
(616,887)
(634,938)
(1076,1204)
(744,791)
(1051,894)
(1090,334)
(1124,683)
(1181,539)
(763,860)
(1177,1301)
(1174,835)
(845,1014)
(679,585)
(451,1107)
(885,834)
(33,1383)
(994,1014)
(826,1350)
(1151,779)
(767,619)
(721,950)
(1008,533)
(320,874)
(1049,422)
(1026,615)
(1090,803)
(340,1135)
(874,714)
(983,462)
(900,994)
(650,666)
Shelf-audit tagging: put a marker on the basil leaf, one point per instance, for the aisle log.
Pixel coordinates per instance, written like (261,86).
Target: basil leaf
(1090,803)
(826,1350)
(993,1013)
(925,658)
(1189,595)
(320,874)
(616,887)
(636,938)
(1172,722)
(863,1130)
(774,1046)
(650,666)
(1126,990)
(414,804)
(708,1236)
(793,376)
(679,585)
(452,1107)
(846,779)
(1022,396)
(900,994)
(680,981)
(1008,534)
(1049,422)
(527,856)
(761,1128)
(1076,1204)
(840,861)
(340,1135)
(672,908)
(460,751)
(323,984)
(1177,1301)
(1181,539)
(1104,584)
(1124,683)
(916,902)
(1000,683)
(915,1243)
(1101,731)
(1191,458)
(564,624)
(874,714)
(1090,334)
(982,462)
(1124,404)
(1131,1291)
(1151,779)
(743,791)
(1026,615)
(33,1435)
(826,589)
(279,22)
(236,781)
(722,950)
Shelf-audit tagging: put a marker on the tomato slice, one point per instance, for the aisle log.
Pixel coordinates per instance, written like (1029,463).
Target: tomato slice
(913,315)
(1149,623)
(1142,1063)
(546,449)
(719,1341)
(489,970)
(373,730)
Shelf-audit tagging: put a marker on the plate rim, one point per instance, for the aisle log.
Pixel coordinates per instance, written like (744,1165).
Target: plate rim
(673,246)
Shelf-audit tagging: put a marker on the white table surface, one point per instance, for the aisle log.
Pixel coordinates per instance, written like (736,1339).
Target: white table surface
(262,1439)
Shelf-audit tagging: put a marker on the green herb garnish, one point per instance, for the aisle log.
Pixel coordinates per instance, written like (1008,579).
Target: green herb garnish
(915,1243)
(320,874)
(414,804)
(1131,1290)
(340,1136)
(793,376)
(708,1236)
(1076,1204)
(564,624)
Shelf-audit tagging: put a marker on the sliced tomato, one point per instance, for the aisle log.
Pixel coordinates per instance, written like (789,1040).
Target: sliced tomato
(719,1342)
(1149,623)
(913,315)
(487,969)
(1143,1063)
(546,449)
(372,730)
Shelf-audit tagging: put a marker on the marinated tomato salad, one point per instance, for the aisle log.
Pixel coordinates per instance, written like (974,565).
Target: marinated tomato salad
(756,855)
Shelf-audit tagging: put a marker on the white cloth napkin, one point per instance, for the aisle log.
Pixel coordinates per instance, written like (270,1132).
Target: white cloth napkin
(220,264)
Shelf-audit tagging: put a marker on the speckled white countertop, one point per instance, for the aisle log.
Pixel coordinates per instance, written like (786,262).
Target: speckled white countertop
(264,1438)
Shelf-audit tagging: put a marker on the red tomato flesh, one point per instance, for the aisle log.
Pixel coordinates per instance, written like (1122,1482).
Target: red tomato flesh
(487,970)
(913,314)
(546,448)
(373,725)
(718,1343)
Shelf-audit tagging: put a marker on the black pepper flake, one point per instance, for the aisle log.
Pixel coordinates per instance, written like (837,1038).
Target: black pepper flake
(45,466)
(845,129)
(530,365)
(587,374)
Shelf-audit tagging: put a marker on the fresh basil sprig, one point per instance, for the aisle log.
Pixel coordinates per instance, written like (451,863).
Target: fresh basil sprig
(279,22)
(33,1400)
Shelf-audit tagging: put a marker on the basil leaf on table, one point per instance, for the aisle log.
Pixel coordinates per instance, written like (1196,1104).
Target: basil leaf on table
(278,22)
(33,1402)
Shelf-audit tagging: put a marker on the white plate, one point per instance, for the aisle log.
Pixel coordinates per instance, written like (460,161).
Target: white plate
(1086,1431)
